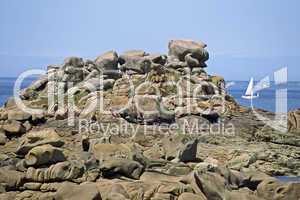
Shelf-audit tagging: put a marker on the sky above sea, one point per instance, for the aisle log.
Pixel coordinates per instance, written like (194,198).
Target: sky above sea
(249,38)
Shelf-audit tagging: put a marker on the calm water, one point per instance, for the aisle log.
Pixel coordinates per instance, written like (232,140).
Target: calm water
(288,179)
(7,87)
(265,101)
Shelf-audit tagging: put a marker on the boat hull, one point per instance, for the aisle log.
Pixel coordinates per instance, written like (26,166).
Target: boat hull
(249,97)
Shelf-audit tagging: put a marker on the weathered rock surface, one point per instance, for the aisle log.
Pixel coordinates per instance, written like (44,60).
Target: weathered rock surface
(273,189)
(45,154)
(37,138)
(62,171)
(73,192)
(294,120)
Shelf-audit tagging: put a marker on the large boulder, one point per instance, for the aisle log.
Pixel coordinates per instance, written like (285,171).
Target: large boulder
(121,167)
(191,52)
(18,115)
(45,154)
(272,189)
(135,62)
(146,109)
(11,179)
(62,171)
(129,55)
(38,138)
(112,151)
(73,61)
(95,84)
(13,128)
(241,160)
(73,74)
(242,194)
(35,87)
(107,61)
(211,184)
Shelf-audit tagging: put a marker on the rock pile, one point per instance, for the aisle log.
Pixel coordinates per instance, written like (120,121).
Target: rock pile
(42,157)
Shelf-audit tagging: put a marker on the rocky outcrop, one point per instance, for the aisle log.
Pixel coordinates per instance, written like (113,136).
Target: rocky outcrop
(166,130)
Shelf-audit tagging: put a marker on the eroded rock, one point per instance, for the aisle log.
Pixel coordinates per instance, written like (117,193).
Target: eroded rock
(38,138)
(45,154)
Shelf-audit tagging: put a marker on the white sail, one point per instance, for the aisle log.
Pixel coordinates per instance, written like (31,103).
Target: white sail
(249,91)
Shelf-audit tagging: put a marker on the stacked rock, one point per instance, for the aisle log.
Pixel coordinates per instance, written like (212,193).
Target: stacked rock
(187,55)
(136,77)
(139,62)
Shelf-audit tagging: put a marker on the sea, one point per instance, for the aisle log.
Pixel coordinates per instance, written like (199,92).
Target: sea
(266,99)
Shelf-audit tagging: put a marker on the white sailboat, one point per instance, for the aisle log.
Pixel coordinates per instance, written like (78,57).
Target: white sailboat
(249,92)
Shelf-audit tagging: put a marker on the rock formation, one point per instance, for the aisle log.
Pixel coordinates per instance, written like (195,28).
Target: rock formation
(146,126)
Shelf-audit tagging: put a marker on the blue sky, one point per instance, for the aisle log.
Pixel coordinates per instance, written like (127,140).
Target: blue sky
(245,37)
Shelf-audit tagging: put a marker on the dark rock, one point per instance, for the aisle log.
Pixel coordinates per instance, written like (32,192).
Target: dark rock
(121,167)
(188,153)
